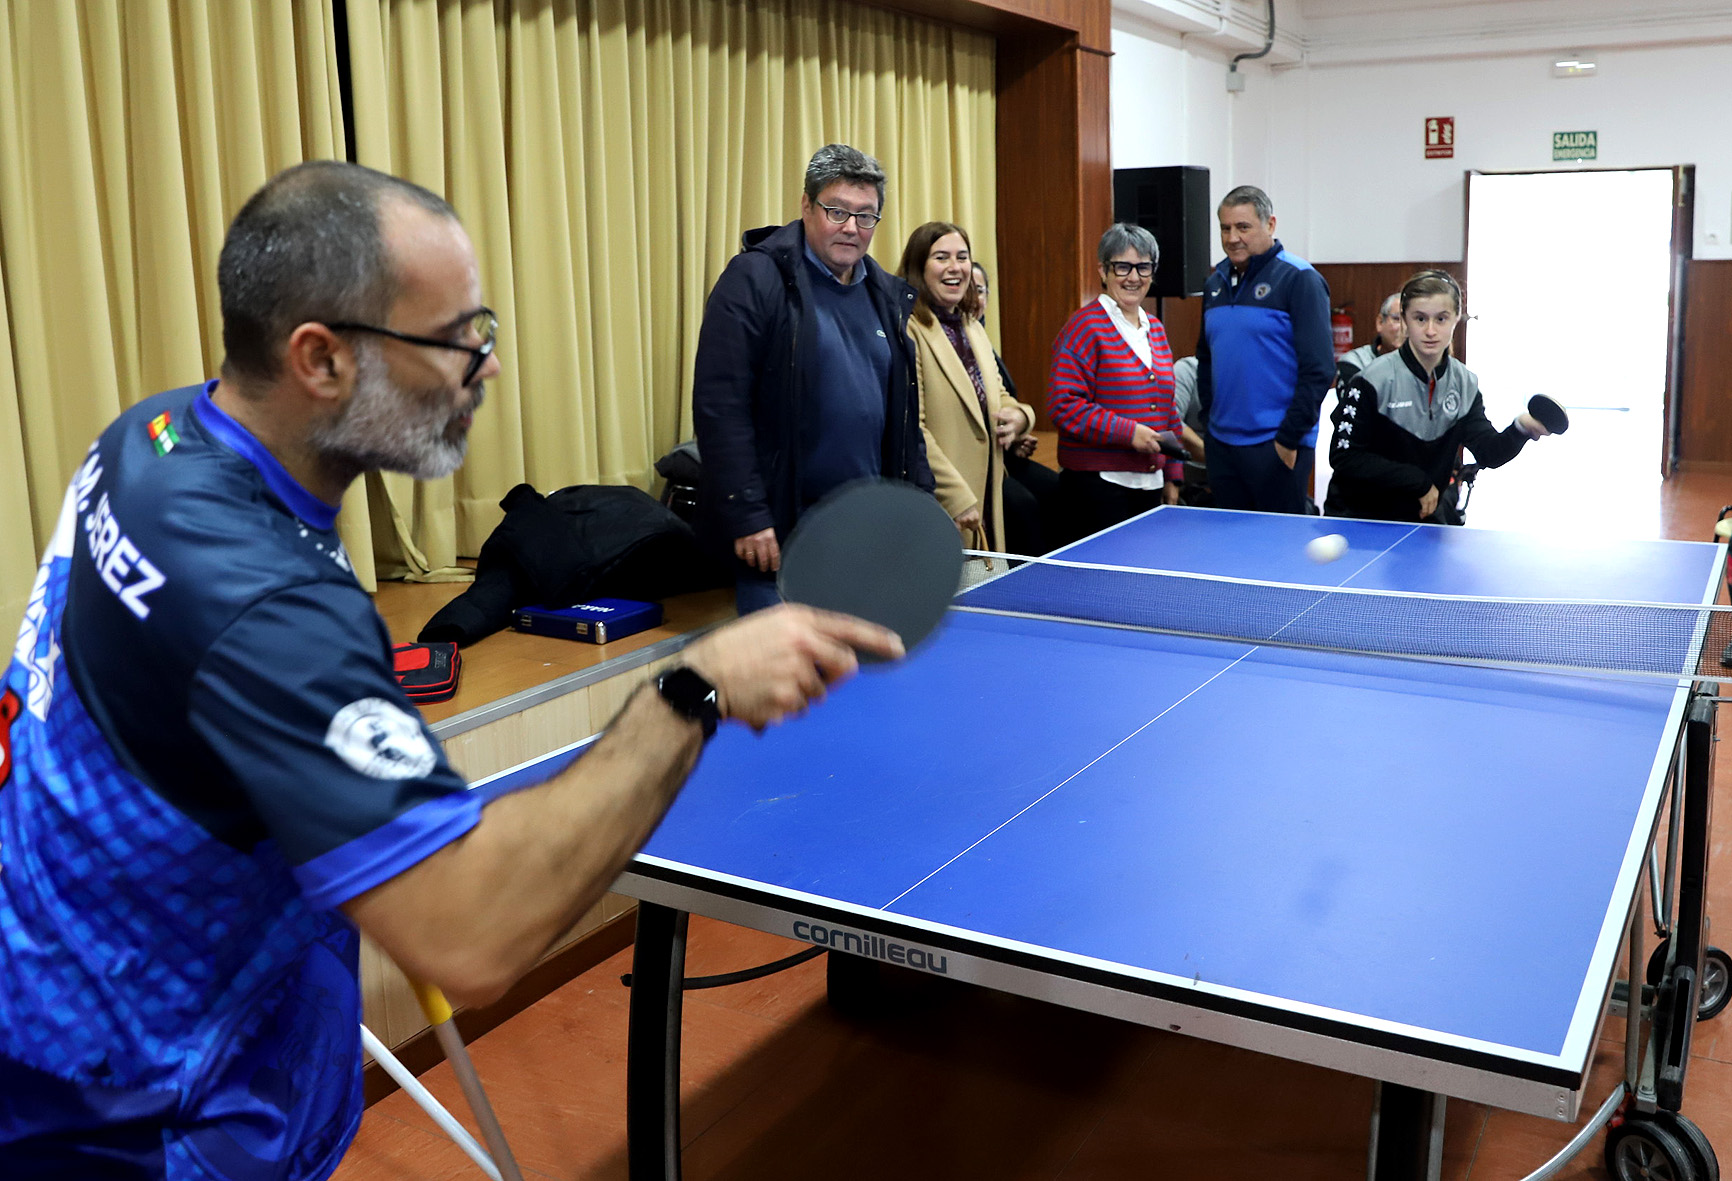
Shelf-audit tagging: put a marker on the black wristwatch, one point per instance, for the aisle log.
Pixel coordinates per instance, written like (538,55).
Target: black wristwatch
(690,696)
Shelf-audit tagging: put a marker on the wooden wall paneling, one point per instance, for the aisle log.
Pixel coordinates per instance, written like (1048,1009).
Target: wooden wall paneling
(1705,401)
(1183,320)
(1683,233)
(1054,195)
(1039,203)
(1361,287)
(1054,163)
(1090,21)
(1094,147)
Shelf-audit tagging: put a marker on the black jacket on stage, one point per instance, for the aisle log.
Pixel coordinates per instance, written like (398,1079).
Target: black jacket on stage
(1399,431)
(750,385)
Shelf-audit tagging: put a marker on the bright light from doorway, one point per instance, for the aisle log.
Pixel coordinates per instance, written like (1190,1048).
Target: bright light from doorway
(1568,281)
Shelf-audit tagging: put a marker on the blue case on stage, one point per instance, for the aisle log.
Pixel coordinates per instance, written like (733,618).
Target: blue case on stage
(595,622)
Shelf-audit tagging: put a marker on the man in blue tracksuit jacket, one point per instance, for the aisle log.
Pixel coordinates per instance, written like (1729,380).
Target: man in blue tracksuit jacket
(1265,358)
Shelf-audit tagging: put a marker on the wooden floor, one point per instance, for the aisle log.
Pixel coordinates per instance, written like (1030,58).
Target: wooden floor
(977,1085)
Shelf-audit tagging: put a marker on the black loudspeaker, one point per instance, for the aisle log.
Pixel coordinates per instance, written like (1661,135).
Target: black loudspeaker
(1172,204)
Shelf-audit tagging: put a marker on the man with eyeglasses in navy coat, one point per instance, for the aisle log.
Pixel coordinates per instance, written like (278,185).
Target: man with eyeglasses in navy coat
(805,376)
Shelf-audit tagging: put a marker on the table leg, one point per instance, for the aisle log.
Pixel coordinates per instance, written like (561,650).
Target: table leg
(1675,1006)
(652,1078)
(1406,1134)
(1634,1000)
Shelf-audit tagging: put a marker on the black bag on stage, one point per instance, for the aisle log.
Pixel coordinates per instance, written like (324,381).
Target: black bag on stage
(573,545)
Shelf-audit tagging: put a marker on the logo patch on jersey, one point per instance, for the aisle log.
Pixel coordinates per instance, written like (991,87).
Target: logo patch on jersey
(162,433)
(1261,291)
(1451,403)
(379,740)
(10,708)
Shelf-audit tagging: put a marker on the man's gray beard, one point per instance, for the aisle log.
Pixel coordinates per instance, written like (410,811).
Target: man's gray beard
(383,428)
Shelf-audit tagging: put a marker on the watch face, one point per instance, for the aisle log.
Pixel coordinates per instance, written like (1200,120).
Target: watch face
(691,696)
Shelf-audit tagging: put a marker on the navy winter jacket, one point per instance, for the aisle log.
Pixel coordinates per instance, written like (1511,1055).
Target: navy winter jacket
(749,387)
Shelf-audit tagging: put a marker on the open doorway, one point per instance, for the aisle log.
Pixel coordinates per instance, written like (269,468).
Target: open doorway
(1569,287)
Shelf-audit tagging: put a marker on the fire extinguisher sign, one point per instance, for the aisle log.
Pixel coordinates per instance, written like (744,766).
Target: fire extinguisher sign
(1440,137)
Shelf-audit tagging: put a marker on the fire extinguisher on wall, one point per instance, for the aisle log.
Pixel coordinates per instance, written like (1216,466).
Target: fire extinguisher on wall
(1341,325)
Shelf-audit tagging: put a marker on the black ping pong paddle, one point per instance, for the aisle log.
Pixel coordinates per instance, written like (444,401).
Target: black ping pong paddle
(1171,445)
(879,549)
(1549,414)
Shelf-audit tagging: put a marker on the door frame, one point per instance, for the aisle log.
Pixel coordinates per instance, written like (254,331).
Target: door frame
(1683,244)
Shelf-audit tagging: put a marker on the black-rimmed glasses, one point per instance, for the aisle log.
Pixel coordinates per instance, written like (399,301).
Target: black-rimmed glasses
(483,324)
(1123,269)
(839,216)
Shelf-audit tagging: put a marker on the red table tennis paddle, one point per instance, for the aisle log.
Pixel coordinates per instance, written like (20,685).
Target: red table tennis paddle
(879,549)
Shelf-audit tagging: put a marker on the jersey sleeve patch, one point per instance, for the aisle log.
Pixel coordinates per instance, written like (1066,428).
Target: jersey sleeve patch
(380,740)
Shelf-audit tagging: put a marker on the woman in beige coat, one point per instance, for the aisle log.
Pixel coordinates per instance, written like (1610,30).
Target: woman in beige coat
(966,416)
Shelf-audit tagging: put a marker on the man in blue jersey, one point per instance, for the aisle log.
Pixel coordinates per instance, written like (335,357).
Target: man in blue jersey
(209,778)
(1265,358)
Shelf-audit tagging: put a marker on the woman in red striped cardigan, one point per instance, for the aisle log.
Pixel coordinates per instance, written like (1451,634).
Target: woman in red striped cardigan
(1111,391)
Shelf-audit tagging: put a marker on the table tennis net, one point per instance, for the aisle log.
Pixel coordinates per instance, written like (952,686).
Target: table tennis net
(1629,640)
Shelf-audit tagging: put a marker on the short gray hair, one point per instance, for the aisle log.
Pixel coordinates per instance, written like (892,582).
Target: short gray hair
(308,246)
(1383,309)
(1123,236)
(1253,196)
(834,162)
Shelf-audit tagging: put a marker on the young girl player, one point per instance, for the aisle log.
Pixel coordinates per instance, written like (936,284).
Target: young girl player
(1402,421)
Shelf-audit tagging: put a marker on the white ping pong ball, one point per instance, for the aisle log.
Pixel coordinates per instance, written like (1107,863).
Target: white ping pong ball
(1326,548)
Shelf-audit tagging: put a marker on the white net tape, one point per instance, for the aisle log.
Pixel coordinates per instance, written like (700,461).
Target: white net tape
(1663,641)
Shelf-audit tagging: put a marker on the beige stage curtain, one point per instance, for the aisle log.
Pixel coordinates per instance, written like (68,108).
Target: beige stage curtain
(130,132)
(606,156)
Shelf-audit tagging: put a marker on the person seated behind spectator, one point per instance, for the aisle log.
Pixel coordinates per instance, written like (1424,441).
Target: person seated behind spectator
(1185,401)
(1404,418)
(1111,390)
(805,376)
(1390,333)
(1032,520)
(965,414)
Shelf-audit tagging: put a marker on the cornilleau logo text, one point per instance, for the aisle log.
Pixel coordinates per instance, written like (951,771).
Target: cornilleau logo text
(837,939)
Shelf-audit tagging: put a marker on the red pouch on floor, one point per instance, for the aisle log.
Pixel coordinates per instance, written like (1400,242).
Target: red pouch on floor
(427,672)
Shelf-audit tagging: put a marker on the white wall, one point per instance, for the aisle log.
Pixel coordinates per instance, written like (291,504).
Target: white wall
(1340,147)
(1651,106)
(1170,106)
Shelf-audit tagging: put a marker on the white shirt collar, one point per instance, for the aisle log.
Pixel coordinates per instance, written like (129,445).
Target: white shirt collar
(1136,335)
(1141,324)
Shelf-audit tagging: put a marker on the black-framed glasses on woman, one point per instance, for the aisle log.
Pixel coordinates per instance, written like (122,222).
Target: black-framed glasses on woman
(483,324)
(1123,269)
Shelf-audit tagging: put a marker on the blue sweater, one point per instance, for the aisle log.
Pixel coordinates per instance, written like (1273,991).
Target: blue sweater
(847,375)
(1265,357)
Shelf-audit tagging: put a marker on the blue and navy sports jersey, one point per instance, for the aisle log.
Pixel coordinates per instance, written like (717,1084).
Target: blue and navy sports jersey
(1265,357)
(205,752)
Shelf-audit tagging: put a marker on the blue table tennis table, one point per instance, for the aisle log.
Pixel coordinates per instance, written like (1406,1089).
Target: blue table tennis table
(1415,872)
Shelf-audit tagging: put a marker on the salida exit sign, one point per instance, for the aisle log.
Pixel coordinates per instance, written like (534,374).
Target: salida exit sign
(1440,137)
